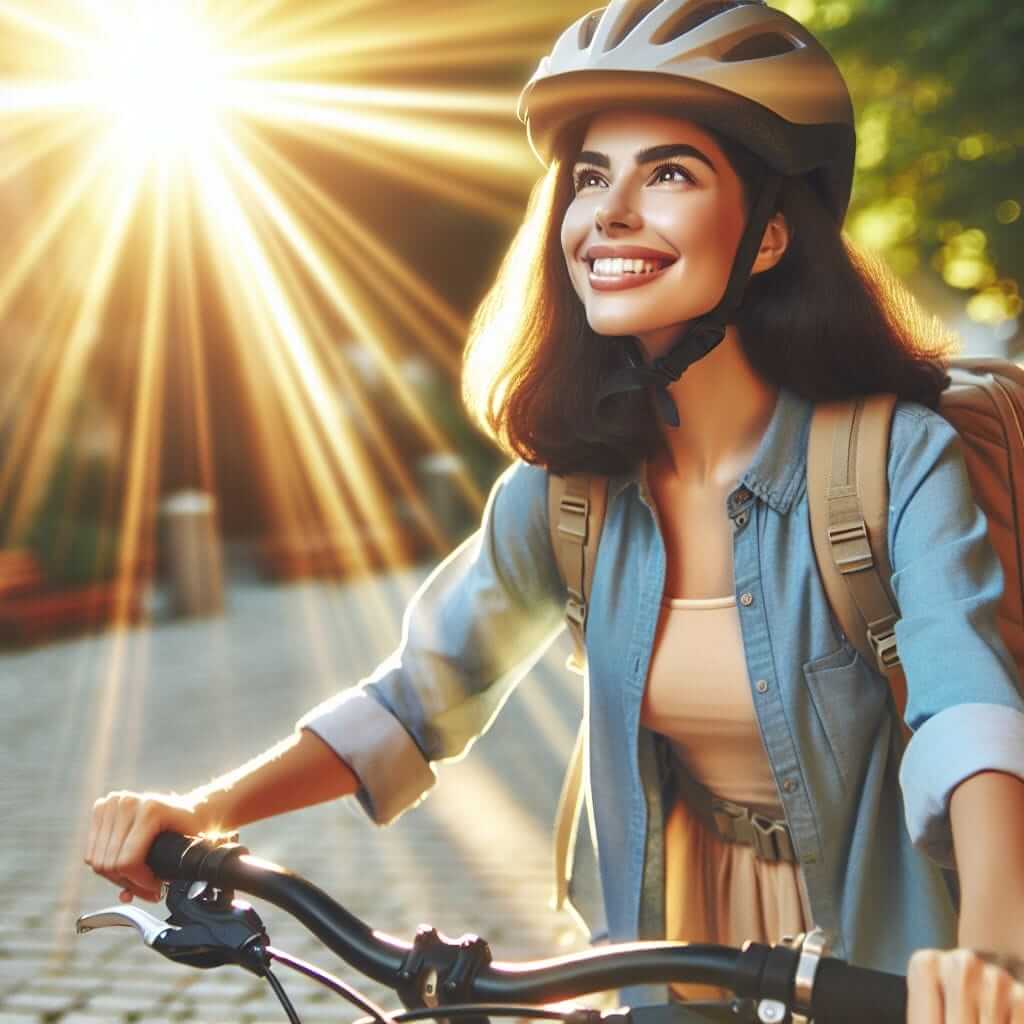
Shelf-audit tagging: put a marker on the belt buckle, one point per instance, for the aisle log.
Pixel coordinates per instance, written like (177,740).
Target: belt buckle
(771,838)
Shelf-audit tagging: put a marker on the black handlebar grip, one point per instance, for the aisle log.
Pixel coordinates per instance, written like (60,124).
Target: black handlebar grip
(173,856)
(165,856)
(844,994)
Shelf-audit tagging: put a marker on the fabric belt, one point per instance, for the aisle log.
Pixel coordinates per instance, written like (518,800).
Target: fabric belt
(734,823)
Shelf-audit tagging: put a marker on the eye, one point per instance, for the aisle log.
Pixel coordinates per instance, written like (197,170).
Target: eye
(583,178)
(673,169)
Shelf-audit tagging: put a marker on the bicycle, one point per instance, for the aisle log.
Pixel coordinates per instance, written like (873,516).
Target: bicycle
(456,980)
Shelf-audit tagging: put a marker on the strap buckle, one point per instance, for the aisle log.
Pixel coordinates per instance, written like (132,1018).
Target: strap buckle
(850,548)
(771,839)
(576,609)
(737,824)
(882,637)
(573,519)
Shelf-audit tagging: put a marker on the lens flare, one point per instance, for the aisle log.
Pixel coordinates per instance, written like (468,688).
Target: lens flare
(158,74)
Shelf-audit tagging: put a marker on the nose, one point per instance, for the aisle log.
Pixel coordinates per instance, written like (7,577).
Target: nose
(616,215)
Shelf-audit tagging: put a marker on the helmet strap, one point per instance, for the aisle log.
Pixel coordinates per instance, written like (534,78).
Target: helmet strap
(702,333)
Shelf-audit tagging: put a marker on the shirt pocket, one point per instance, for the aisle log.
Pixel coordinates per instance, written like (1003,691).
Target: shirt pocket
(850,703)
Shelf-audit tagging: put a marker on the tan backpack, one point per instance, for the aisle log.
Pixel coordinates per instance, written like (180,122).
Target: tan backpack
(848,495)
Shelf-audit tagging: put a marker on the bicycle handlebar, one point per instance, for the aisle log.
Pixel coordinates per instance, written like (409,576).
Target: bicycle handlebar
(842,993)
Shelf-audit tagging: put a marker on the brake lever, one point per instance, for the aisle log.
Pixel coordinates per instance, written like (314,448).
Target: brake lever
(207,927)
(148,926)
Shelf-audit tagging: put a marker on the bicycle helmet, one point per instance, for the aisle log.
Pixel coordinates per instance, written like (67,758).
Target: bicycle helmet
(738,67)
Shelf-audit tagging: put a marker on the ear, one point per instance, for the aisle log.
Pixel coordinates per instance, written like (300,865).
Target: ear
(773,244)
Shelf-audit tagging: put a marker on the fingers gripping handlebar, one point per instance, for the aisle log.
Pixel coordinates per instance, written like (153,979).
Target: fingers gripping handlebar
(841,993)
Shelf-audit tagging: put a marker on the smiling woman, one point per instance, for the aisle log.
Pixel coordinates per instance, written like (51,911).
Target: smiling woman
(536,362)
(677,299)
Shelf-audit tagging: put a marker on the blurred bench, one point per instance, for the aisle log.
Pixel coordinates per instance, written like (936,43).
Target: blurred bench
(32,610)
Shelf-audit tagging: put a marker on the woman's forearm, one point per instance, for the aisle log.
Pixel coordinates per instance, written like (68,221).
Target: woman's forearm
(987,816)
(298,772)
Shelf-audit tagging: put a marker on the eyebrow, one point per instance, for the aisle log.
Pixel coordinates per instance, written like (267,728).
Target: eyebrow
(647,156)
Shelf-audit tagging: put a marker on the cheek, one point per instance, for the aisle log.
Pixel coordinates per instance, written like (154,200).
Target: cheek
(574,232)
(688,224)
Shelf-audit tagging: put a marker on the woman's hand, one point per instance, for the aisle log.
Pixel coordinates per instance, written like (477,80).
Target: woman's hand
(958,986)
(122,830)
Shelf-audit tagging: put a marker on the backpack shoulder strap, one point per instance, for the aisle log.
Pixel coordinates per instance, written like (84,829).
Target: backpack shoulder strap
(576,508)
(848,499)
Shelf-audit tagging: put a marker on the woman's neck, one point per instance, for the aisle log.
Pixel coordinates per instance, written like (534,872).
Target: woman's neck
(724,411)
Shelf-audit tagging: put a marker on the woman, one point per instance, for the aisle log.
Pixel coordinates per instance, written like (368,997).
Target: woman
(709,147)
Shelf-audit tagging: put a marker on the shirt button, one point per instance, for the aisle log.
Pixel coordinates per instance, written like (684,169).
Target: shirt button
(790,785)
(762,685)
(746,599)
(741,519)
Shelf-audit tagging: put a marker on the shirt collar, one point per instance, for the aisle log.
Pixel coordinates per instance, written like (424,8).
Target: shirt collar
(777,473)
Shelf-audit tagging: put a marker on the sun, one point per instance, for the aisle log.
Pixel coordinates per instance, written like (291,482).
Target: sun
(159,74)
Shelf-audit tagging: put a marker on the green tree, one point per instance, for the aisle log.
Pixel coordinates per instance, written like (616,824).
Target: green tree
(940,174)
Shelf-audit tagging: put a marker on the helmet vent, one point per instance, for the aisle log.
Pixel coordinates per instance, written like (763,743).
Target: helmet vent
(688,19)
(631,19)
(588,26)
(768,44)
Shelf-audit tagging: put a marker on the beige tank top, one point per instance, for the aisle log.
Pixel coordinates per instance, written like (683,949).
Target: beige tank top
(698,695)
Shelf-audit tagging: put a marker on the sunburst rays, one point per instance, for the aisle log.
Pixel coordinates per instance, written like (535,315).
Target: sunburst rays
(164,200)
(114,106)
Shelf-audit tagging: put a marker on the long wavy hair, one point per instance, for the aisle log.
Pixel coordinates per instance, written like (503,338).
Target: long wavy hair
(828,321)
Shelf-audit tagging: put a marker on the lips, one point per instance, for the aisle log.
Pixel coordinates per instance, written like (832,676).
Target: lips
(632,278)
(613,268)
(627,252)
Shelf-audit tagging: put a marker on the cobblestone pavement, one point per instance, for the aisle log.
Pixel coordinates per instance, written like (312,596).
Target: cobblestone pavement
(172,705)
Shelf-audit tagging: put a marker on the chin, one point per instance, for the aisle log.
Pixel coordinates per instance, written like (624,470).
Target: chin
(619,326)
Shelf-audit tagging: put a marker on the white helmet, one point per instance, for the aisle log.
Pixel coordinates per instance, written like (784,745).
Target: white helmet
(740,68)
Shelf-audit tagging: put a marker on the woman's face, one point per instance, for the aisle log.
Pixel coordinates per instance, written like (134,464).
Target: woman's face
(658,193)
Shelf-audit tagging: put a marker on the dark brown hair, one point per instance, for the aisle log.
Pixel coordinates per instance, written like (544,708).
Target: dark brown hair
(827,321)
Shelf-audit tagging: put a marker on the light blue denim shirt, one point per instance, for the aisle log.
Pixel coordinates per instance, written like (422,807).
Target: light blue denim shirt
(871,829)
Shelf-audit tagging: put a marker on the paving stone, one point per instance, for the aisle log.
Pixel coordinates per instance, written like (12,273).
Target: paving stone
(16,970)
(15,1017)
(70,983)
(268,1006)
(26,944)
(40,1002)
(114,1001)
(224,989)
(88,1018)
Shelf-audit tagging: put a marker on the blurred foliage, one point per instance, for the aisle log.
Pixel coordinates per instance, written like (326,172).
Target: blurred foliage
(940,174)
(67,534)
(73,553)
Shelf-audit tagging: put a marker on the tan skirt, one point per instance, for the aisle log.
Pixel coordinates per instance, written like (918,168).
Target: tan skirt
(720,893)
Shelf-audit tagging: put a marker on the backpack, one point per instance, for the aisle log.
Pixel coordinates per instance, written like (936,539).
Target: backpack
(848,498)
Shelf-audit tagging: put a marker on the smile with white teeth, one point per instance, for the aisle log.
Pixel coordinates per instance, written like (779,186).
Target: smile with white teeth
(618,267)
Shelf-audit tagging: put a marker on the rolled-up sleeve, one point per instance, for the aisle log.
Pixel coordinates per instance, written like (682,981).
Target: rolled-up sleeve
(963,703)
(473,629)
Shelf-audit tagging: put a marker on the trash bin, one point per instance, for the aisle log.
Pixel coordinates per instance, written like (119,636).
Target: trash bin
(193,554)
